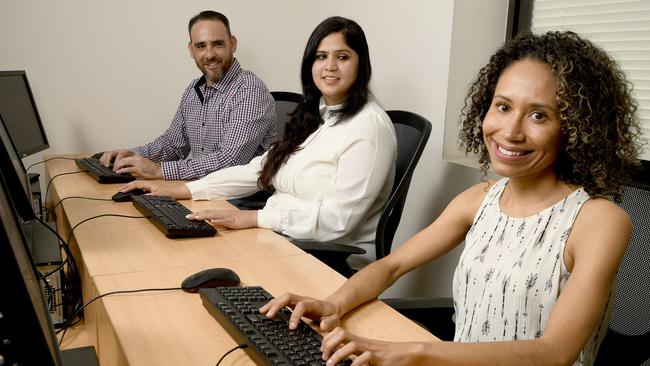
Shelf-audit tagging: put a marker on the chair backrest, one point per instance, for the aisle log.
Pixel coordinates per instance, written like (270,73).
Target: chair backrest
(412,132)
(285,103)
(629,326)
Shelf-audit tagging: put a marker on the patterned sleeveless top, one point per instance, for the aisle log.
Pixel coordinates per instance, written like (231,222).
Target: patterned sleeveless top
(512,271)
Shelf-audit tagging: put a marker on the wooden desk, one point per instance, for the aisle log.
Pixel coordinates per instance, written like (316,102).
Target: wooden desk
(172,327)
(191,336)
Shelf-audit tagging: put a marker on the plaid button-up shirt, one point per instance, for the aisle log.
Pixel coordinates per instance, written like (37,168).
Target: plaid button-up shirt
(216,126)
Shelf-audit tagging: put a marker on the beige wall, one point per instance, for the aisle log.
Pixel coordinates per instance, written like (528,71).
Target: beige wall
(110,74)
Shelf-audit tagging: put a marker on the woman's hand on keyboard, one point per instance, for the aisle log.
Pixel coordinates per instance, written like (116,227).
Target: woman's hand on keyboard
(230,219)
(323,312)
(173,188)
(340,344)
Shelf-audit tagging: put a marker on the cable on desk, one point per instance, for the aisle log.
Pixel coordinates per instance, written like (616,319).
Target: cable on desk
(64,243)
(77,292)
(102,215)
(46,160)
(242,346)
(52,179)
(53,209)
(73,294)
(77,311)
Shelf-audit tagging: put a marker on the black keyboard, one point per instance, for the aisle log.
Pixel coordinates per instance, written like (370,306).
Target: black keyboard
(270,342)
(169,216)
(100,173)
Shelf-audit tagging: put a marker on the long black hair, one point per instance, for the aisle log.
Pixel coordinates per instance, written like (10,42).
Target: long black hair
(306,119)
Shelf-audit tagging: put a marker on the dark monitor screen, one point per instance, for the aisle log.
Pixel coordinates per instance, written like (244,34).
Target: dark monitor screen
(25,324)
(15,175)
(18,109)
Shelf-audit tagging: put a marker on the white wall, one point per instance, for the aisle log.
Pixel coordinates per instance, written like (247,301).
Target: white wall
(110,74)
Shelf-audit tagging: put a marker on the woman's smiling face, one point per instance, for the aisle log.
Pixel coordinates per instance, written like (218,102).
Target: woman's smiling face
(522,130)
(335,68)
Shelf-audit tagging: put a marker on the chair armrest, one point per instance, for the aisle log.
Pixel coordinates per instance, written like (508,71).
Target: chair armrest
(419,302)
(315,246)
(255,201)
(436,314)
(332,254)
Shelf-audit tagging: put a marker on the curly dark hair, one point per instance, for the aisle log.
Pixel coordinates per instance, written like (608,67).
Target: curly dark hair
(306,119)
(600,128)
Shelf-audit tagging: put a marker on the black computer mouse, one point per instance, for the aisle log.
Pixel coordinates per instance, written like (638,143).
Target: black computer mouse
(212,277)
(126,196)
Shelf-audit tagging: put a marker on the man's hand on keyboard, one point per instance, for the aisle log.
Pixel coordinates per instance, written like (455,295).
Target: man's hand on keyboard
(110,157)
(173,188)
(138,166)
(231,219)
(320,311)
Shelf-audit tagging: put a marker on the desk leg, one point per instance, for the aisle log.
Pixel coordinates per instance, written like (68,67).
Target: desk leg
(111,352)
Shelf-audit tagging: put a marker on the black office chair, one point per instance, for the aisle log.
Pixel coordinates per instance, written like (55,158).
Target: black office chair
(285,103)
(412,132)
(628,335)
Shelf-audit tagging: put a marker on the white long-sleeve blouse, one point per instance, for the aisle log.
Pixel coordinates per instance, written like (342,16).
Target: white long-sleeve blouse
(332,189)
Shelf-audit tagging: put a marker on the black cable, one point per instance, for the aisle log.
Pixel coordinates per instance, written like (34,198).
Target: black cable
(53,209)
(242,346)
(52,179)
(77,291)
(65,198)
(63,244)
(46,160)
(48,291)
(74,285)
(73,280)
(77,311)
(102,215)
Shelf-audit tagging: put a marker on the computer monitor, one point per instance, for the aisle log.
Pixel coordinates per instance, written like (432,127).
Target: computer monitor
(15,175)
(18,108)
(25,325)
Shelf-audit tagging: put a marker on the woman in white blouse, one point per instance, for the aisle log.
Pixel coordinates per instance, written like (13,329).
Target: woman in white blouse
(333,169)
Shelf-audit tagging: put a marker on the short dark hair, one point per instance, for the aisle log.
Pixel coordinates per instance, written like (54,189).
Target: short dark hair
(209,15)
(600,128)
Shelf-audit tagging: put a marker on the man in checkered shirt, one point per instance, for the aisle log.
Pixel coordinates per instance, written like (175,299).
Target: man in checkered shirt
(226,117)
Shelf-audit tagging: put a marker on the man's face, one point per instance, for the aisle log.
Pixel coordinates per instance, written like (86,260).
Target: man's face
(212,49)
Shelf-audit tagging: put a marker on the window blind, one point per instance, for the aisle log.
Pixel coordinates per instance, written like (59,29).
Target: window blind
(621,27)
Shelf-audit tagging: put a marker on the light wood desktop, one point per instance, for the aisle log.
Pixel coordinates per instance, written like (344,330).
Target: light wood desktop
(173,327)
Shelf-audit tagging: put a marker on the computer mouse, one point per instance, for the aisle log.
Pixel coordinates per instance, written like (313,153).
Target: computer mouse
(126,196)
(211,277)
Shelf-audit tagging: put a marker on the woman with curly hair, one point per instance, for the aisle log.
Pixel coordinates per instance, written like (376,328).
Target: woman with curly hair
(552,114)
